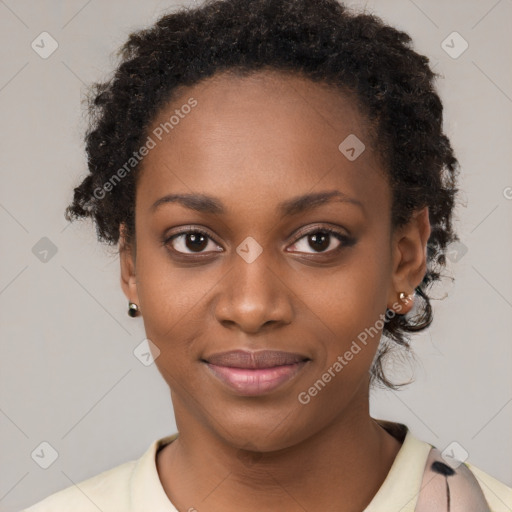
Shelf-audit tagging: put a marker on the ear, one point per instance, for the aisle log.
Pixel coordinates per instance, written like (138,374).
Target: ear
(409,246)
(127,260)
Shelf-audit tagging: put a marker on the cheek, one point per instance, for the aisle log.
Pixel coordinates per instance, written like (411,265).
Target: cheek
(351,297)
(169,296)
(348,309)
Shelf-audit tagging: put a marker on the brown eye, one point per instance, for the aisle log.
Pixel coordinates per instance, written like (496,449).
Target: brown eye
(190,242)
(321,241)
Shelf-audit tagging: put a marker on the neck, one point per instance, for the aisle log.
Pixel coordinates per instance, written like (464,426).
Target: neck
(344,463)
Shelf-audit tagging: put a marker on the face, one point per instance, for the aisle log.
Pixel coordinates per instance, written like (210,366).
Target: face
(281,242)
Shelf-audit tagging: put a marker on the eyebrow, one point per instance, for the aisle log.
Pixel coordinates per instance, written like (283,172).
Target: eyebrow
(208,204)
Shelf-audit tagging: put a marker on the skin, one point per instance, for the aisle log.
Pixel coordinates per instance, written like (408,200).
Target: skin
(253,142)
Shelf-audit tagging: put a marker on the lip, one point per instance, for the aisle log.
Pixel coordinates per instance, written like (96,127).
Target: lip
(255,373)
(254,360)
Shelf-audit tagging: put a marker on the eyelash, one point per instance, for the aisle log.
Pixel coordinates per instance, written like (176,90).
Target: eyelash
(345,241)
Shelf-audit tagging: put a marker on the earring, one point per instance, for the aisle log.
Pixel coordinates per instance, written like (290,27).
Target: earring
(132,309)
(404,297)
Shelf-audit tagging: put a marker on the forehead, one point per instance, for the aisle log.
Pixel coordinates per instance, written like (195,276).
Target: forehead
(282,99)
(255,137)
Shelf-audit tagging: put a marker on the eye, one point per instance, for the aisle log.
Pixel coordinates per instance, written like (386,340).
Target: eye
(321,241)
(192,241)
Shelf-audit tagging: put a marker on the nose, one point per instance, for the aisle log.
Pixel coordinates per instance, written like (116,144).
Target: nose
(253,296)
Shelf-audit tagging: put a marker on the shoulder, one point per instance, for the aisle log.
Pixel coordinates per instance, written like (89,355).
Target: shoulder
(449,484)
(108,491)
(497,494)
(134,485)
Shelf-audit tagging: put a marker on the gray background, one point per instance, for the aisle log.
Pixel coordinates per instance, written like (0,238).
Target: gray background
(68,373)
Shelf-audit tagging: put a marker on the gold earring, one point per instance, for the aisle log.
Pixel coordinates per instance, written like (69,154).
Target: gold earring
(133,309)
(404,297)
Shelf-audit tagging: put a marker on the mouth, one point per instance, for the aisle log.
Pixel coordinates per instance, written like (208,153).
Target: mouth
(255,373)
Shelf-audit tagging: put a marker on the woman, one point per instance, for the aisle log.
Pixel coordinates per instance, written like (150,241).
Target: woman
(276,177)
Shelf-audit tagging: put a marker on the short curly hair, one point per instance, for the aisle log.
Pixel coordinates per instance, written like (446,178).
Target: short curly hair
(322,40)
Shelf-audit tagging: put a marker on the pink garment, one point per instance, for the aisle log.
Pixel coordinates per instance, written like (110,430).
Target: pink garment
(448,488)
